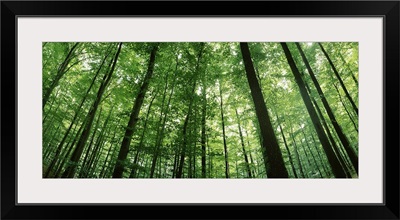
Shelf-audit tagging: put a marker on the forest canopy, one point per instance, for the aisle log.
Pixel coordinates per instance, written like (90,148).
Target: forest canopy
(200,110)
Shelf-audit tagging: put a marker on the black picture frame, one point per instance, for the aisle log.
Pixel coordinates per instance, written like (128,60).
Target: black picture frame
(11,10)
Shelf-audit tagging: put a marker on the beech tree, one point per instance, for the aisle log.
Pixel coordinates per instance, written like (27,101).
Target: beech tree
(200,110)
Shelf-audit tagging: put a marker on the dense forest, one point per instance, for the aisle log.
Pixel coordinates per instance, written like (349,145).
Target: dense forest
(200,110)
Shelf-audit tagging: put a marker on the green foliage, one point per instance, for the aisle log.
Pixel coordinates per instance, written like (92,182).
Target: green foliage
(177,69)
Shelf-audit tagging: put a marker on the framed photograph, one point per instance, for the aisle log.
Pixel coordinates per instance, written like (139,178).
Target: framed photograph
(282,109)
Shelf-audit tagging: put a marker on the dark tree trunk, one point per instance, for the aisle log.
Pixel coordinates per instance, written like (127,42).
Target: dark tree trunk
(76,154)
(345,108)
(185,124)
(68,152)
(328,132)
(83,171)
(345,142)
(340,79)
(287,148)
(126,141)
(296,152)
(274,163)
(223,134)
(60,73)
(350,70)
(98,148)
(312,155)
(334,162)
(159,124)
(163,119)
(203,130)
(140,146)
(61,144)
(246,159)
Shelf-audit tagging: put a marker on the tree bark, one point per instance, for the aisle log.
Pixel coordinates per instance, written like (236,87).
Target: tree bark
(163,119)
(274,163)
(60,73)
(185,124)
(203,130)
(124,149)
(223,134)
(61,144)
(77,153)
(140,146)
(345,142)
(350,70)
(334,162)
(339,78)
(246,159)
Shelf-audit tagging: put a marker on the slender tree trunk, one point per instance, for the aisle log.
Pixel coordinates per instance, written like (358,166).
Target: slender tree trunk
(308,146)
(296,152)
(51,106)
(321,158)
(330,137)
(287,148)
(185,124)
(350,70)
(123,152)
(246,159)
(82,171)
(70,148)
(203,130)
(345,142)
(99,145)
(163,119)
(251,157)
(61,144)
(223,133)
(139,148)
(340,79)
(159,124)
(60,73)
(274,163)
(76,155)
(328,132)
(345,108)
(334,162)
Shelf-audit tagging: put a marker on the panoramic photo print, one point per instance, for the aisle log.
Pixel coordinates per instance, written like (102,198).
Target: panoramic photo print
(196,110)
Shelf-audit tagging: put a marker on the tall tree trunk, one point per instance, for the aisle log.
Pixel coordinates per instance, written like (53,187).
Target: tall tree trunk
(350,70)
(274,163)
(223,134)
(321,158)
(345,108)
(140,146)
(203,129)
(83,172)
(163,119)
(287,148)
(312,155)
(334,162)
(126,141)
(345,142)
(60,73)
(339,78)
(246,159)
(159,124)
(76,155)
(296,152)
(69,150)
(185,124)
(98,146)
(330,137)
(61,144)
